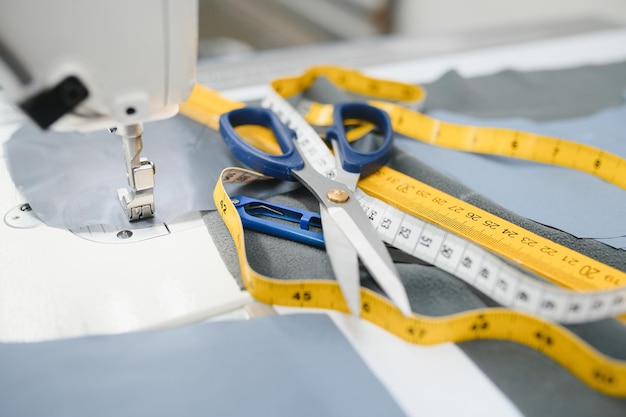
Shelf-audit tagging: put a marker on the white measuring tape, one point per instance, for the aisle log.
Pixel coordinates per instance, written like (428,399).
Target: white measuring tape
(310,143)
(486,272)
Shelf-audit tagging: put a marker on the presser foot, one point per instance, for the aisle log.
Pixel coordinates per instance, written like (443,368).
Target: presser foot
(139,202)
(138,199)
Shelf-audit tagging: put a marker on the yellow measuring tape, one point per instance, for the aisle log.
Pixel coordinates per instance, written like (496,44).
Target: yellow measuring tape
(597,370)
(593,368)
(487,140)
(548,259)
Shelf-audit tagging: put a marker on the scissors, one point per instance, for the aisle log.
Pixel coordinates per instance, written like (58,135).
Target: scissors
(296,224)
(348,233)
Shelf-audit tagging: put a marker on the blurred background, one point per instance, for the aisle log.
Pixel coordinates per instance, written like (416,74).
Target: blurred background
(293,34)
(237,25)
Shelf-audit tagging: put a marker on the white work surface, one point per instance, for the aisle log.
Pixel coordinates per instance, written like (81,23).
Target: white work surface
(54,284)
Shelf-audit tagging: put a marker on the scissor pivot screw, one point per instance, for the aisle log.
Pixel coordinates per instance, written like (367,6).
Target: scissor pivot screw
(337,196)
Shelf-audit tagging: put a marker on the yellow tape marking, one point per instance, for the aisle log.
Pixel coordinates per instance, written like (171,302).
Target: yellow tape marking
(600,372)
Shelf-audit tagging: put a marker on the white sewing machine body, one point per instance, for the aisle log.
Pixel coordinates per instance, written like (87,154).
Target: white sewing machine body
(136,59)
(76,65)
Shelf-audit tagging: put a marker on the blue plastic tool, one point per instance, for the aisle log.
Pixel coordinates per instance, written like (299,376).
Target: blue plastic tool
(281,166)
(254,215)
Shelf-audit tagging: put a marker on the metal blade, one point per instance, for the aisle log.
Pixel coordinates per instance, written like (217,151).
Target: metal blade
(350,218)
(350,179)
(353,222)
(344,261)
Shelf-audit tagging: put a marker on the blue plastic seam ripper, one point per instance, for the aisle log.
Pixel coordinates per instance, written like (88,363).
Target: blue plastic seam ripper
(254,215)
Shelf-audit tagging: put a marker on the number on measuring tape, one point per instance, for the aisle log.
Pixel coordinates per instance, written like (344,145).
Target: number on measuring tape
(489,274)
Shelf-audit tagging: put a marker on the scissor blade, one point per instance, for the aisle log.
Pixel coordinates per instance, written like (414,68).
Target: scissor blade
(350,179)
(371,250)
(344,261)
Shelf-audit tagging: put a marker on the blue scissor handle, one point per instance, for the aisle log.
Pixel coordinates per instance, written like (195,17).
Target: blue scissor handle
(277,166)
(352,160)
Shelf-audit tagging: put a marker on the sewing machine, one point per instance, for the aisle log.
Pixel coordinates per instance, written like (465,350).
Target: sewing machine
(75,65)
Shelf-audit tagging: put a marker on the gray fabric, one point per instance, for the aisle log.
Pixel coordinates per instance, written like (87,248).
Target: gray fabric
(538,95)
(532,381)
(537,385)
(521,185)
(71,179)
(272,366)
